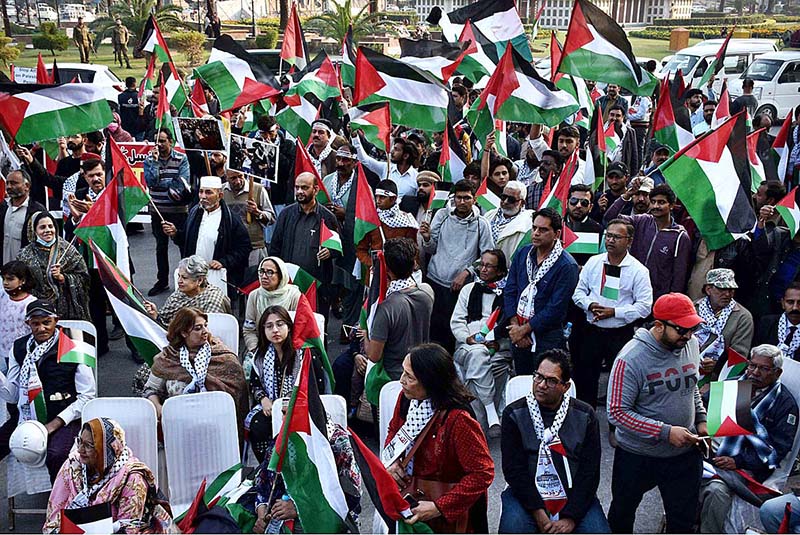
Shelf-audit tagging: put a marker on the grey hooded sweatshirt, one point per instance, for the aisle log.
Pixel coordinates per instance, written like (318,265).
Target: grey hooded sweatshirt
(652,388)
(455,244)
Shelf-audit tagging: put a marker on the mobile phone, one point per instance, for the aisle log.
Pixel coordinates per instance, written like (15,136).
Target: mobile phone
(411,500)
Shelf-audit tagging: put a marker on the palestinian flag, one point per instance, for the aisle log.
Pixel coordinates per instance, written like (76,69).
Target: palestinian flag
(789,208)
(415,97)
(375,120)
(734,366)
(439,195)
(318,78)
(76,347)
(91,519)
(103,225)
(479,117)
(147,80)
(307,334)
(304,457)
(556,195)
(153,41)
(611,139)
(347,68)
(491,323)
(729,409)
(236,77)
(297,117)
(665,129)
(366,214)
(480,57)
(177,95)
(294,49)
(780,147)
(305,281)
(585,243)
(452,160)
(498,20)
(711,176)
(597,48)
(757,172)
(198,100)
(723,109)
(329,238)
(376,376)
(147,336)
(51,111)
(434,57)
(36,399)
(609,283)
(516,92)
(535,30)
(742,484)
(223,484)
(303,164)
(163,112)
(486,197)
(717,62)
(567,237)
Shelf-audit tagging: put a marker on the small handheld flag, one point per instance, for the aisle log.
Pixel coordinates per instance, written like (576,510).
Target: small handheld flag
(76,347)
(329,238)
(729,409)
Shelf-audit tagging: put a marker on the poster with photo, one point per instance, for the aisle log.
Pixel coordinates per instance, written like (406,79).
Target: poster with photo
(200,134)
(254,157)
(8,159)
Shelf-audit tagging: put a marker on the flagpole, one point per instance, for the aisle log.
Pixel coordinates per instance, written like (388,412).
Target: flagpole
(71,242)
(157,210)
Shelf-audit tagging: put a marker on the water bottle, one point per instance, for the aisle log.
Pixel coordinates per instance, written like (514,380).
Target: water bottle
(479,338)
(568,330)
(275,525)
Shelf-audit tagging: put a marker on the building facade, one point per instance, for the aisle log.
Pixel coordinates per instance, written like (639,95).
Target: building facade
(556,13)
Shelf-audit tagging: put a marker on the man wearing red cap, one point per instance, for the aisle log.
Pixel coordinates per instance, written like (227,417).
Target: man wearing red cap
(655,405)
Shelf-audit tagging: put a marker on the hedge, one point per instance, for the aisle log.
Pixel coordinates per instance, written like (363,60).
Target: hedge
(725,21)
(709,32)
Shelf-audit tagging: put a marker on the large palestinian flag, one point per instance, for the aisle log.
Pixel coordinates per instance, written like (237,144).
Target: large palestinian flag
(33,112)
(789,208)
(665,129)
(415,97)
(434,57)
(481,56)
(318,78)
(711,176)
(304,458)
(516,92)
(597,48)
(729,409)
(296,117)
(235,76)
(145,334)
(294,50)
(498,20)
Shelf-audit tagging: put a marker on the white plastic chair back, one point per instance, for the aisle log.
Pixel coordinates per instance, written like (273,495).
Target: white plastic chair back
(24,479)
(387,400)
(200,442)
(519,386)
(81,325)
(320,322)
(217,277)
(137,416)
(742,514)
(226,328)
(335,406)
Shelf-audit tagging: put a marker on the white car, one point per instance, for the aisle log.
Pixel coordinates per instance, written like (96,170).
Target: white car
(776,81)
(99,75)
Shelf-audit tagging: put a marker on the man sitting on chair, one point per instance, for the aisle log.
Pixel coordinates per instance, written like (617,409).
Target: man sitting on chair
(774,412)
(65,387)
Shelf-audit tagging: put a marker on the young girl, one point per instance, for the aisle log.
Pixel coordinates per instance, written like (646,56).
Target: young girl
(17,283)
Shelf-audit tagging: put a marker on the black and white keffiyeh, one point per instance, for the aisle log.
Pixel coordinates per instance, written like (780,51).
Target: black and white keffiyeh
(713,323)
(783,331)
(317,161)
(525,306)
(499,222)
(199,370)
(117,463)
(29,374)
(396,218)
(337,192)
(419,414)
(400,284)
(275,386)
(547,481)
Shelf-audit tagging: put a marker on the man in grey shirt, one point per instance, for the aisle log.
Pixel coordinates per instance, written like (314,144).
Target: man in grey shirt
(15,214)
(402,320)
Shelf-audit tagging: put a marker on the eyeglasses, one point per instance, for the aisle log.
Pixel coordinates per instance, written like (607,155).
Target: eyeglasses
(615,237)
(463,198)
(573,201)
(538,378)
(509,199)
(277,325)
(682,331)
(81,445)
(487,266)
(765,369)
(267,272)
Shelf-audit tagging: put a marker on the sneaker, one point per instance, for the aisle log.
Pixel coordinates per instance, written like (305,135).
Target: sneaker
(116,333)
(494,431)
(157,289)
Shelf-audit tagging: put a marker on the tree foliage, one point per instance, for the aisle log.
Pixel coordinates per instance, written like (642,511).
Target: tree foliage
(8,53)
(134,15)
(191,44)
(50,38)
(335,22)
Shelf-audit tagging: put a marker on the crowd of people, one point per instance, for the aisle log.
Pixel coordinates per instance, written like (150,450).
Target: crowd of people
(472,297)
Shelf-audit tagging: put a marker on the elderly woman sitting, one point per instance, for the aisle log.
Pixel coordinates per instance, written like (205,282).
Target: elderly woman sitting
(195,361)
(274,290)
(101,469)
(193,291)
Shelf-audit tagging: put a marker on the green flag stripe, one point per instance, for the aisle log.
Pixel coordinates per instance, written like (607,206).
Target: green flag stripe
(417,115)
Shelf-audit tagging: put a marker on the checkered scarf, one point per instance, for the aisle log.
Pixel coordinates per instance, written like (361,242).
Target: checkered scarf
(112,460)
(731,446)
(29,374)
(783,331)
(400,284)
(499,222)
(525,306)
(419,414)
(275,387)
(337,192)
(713,324)
(199,370)
(396,218)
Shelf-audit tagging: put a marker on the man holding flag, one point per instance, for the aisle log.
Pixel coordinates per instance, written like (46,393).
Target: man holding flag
(774,413)
(43,387)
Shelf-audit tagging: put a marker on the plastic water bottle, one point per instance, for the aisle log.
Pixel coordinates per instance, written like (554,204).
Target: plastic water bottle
(480,338)
(568,330)
(275,525)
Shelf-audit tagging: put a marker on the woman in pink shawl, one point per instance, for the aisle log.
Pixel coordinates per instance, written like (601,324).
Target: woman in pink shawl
(102,469)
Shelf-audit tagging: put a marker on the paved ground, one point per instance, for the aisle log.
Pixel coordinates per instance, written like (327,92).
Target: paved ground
(116,371)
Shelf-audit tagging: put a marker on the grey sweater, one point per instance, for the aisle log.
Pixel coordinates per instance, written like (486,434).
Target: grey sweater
(652,388)
(455,244)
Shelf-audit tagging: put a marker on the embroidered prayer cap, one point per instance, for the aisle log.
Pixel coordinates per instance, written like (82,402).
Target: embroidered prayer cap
(427,176)
(213,182)
(40,308)
(722,278)
(678,309)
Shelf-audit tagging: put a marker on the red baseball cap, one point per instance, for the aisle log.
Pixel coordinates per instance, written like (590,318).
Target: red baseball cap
(678,309)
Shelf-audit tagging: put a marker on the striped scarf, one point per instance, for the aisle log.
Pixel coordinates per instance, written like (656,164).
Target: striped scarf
(29,374)
(731,446)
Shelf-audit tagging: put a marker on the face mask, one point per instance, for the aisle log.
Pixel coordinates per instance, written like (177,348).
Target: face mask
(45,243)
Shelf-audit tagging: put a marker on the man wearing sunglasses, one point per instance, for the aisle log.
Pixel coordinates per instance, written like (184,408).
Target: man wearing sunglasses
(655,405)
(587,229)
(511,222)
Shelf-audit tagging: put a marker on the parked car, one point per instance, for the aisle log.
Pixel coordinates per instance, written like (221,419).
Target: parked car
(776,81)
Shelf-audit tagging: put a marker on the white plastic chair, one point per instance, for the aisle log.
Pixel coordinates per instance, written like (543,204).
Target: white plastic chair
(226,328)
(137,416)
(742,514)
(320,322)
(519,386)
(388,399)
(201,441)
(81,325)
(335,406)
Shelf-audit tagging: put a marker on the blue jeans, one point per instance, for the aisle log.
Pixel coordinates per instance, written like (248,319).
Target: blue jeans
(772,513)
(516,519)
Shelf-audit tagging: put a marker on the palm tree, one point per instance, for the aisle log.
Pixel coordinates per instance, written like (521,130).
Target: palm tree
(335,22)
(134,15)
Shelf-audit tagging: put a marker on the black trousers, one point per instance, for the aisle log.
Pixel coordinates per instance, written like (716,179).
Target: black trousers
(677,479)
(444,302)
(598,345)
(162,244)
(97,309)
